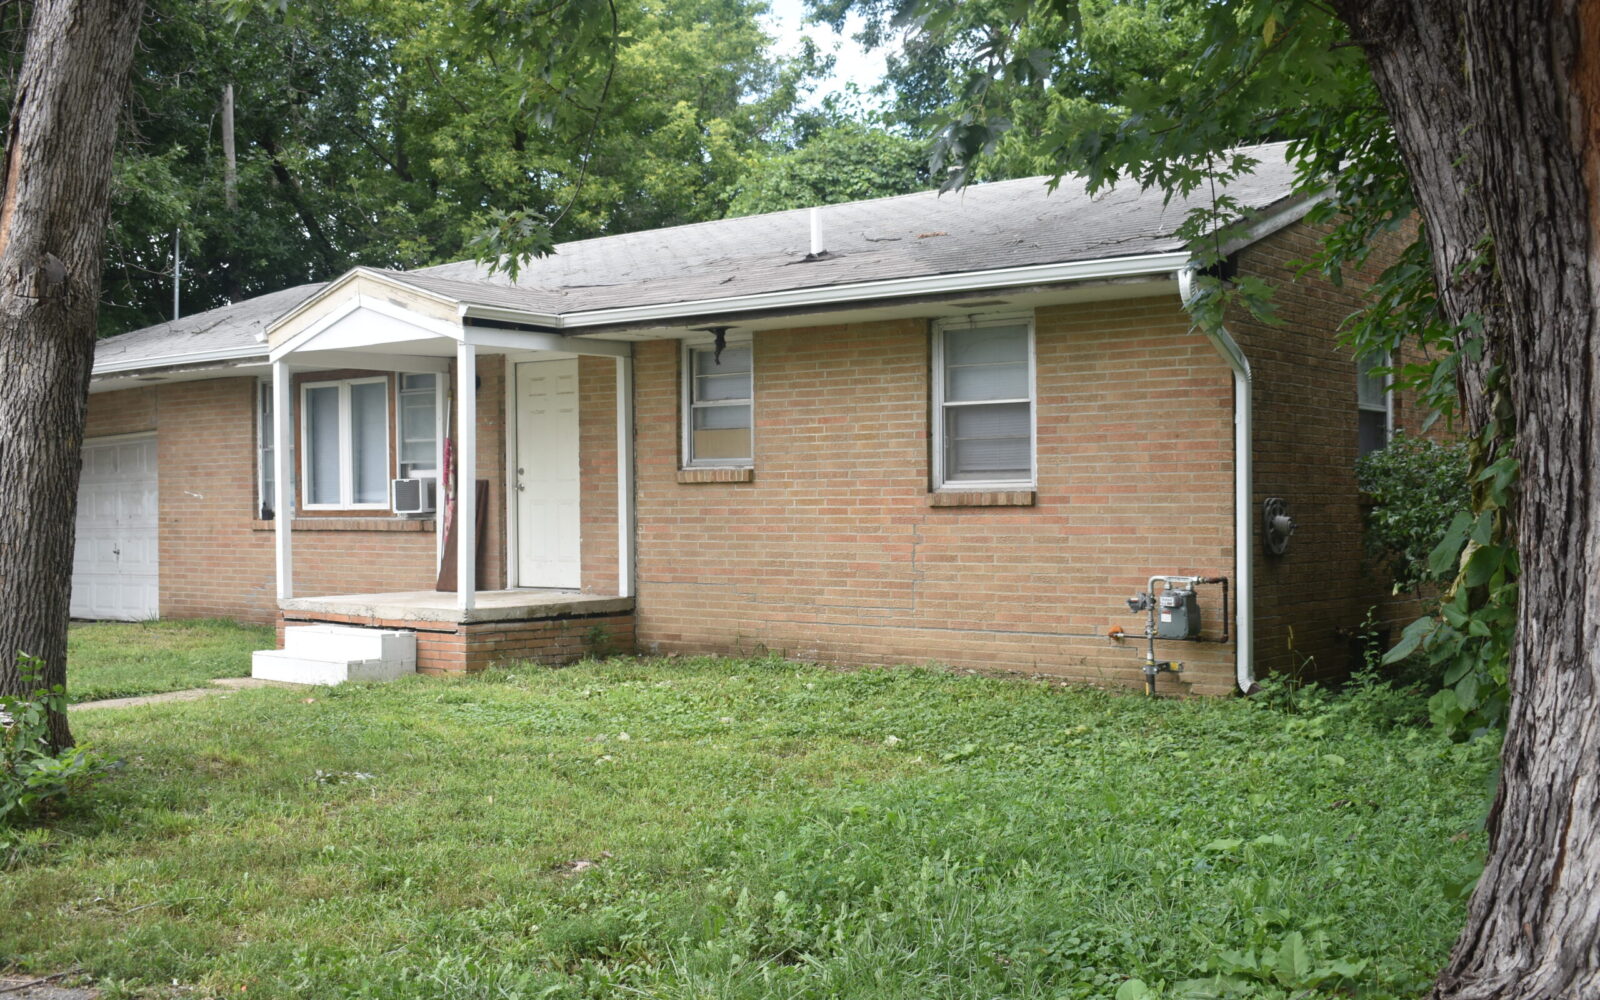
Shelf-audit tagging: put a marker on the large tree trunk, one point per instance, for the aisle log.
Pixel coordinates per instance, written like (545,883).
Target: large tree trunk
(1497,106)
(53,200)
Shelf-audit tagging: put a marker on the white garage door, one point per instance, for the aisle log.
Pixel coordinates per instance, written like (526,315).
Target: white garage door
(114,572)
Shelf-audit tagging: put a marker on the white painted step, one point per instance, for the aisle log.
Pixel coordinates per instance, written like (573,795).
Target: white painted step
(346,642)
(297,668)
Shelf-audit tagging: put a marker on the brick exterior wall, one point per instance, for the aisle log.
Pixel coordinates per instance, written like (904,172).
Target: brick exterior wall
(216,556)
(1310,600)
(833,551)
(451,647)
(597,469)
(834,548)
(491,466)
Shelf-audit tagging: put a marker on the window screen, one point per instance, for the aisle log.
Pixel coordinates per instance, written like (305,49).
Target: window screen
(719,398)
(986,423)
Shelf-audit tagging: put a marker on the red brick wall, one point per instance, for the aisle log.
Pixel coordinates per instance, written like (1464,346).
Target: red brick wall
(451,647)
(1310,600)
(597,469)
(128,411)
(491,466)
(213,564)
(833,552)
(217,558)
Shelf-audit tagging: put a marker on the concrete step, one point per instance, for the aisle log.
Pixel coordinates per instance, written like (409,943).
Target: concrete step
(297,668)
(347,642)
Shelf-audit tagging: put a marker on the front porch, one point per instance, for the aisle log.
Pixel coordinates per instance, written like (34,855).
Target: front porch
(543,626)
(539,568)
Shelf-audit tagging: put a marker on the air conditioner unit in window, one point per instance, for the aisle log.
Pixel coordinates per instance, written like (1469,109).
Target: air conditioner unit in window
(414,496)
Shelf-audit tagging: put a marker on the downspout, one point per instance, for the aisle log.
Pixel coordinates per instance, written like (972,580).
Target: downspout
(1243,521)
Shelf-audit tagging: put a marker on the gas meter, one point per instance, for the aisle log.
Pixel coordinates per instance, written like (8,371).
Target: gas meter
(1177,614)
(1171,613)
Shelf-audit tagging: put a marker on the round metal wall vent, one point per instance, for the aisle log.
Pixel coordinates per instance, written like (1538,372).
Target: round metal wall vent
(1277,524)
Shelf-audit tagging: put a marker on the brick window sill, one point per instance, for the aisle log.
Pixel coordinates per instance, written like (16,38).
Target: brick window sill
(349,524)
(718,474)
(981,498)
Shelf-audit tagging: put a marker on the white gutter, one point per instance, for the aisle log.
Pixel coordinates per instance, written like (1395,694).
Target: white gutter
(505,314)
(187,358)
(1143,265)
(1243,506)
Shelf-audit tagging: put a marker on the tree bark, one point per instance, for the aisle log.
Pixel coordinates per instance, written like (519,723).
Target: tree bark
(53,202)
(1497,108)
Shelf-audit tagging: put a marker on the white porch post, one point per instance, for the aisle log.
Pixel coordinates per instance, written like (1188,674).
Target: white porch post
(466,527)
(283,477)
(624,477)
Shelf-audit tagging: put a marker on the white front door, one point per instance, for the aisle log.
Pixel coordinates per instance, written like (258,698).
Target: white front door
(114,563)
(545,478)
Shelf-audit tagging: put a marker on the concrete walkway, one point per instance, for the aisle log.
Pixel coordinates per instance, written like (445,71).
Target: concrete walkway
(221,685)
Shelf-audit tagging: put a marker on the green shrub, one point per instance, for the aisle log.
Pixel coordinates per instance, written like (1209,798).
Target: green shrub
(1417,487)
(31,774)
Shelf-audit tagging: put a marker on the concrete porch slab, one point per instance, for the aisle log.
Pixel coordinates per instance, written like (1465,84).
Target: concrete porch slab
(434,606)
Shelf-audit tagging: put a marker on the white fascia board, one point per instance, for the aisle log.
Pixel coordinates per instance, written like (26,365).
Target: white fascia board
(410,364)
(933,284)
(527,340)
(191,359)
(503,315)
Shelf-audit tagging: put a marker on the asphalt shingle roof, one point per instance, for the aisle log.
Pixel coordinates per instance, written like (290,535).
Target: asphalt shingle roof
(226,328)
(984,227)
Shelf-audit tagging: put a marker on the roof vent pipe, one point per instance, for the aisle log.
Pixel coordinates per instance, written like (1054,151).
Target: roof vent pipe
(816,232)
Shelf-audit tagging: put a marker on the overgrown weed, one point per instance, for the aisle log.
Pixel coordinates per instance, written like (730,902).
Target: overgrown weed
(697,827)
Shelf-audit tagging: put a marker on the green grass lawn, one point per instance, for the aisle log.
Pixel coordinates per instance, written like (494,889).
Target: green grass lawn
(711,828)
(121,659)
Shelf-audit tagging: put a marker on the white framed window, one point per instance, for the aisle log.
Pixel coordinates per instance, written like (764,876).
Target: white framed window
(1374,404)
(266,467)
(718,404)
(983,403)
(344,439)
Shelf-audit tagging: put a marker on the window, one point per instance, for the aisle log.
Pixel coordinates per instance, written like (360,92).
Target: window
(717,406)
(418,428)
(266,480)
(1374,404)
(983,404)
(345,436)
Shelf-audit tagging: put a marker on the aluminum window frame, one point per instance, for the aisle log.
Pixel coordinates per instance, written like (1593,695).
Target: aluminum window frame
(940,405)
(346,445)
(688,405)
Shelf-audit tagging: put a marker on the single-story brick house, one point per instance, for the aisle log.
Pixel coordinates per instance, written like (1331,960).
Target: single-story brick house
(961,429)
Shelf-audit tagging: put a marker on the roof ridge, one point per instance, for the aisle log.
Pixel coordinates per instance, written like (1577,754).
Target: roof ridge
(1051,182)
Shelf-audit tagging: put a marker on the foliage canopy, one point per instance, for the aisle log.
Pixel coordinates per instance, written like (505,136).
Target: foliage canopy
(394,133)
